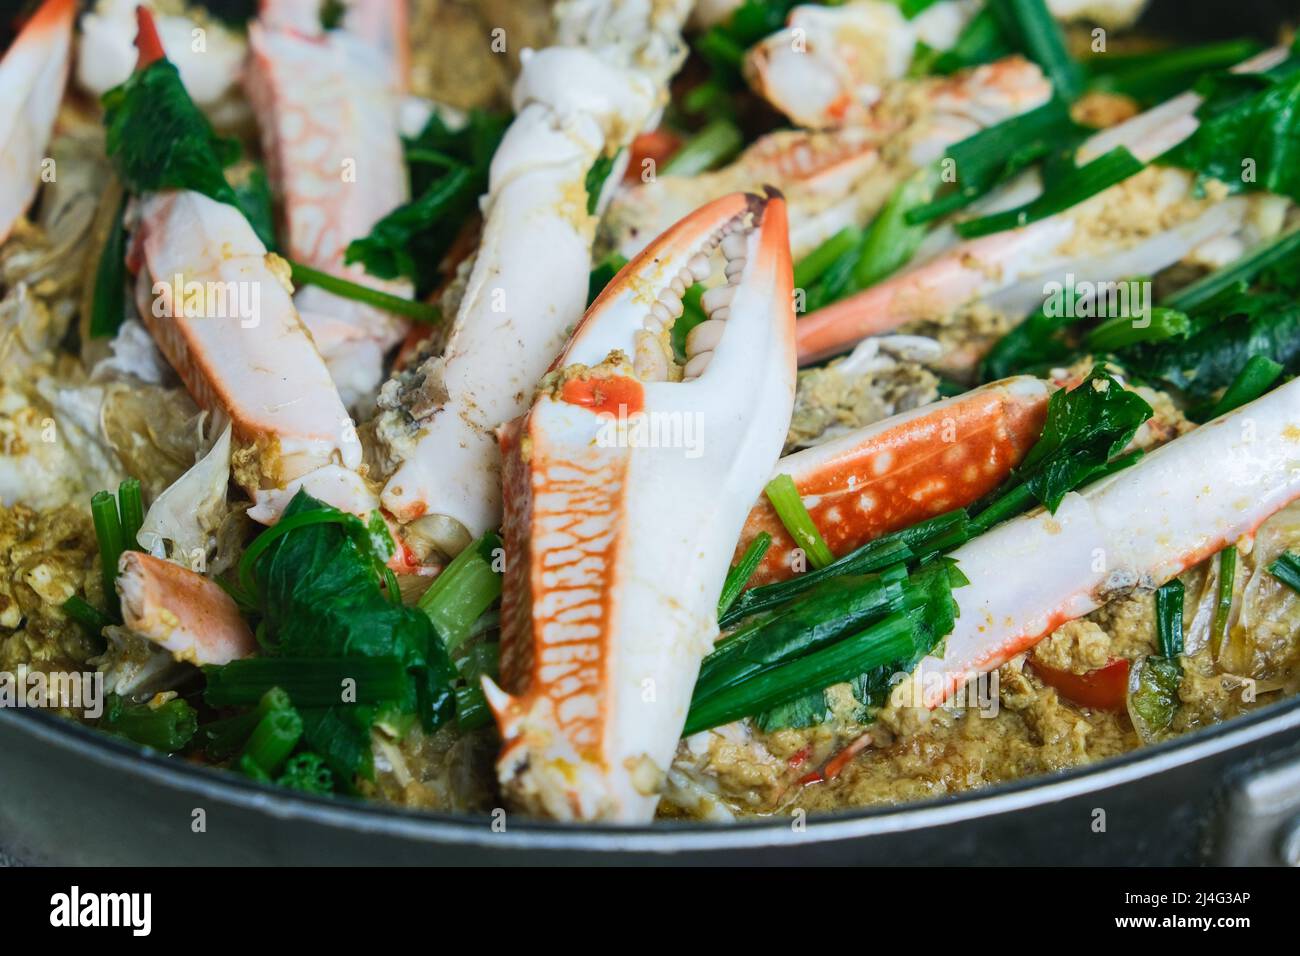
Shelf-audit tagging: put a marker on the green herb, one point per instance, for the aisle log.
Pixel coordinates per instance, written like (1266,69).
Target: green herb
(108,532)
(109,305)
(1169,619)
(995,154)
(1032,28)
(158,139)
(1223,599)
(1085,182)
(891,639)
(595,182)
(1286,568)
(168,727)
(1154,76)
(448,171)
(712,146)
(308,681)
(1085,428)
(1255,378)
(307,772)
(739,575)
(345,289)
(1154,698)
(890,241)
(784,496)
(1123,331)
(814,265)
(1248,138)
(467,587)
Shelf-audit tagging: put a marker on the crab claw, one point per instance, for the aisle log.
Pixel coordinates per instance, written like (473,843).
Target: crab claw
(902,470)
(620,537)
(32,76)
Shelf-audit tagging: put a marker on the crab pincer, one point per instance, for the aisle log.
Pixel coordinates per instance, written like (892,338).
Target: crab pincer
(620,543)
(1137,529)
(33,73)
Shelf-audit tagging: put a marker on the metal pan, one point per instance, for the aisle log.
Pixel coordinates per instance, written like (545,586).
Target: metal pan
(1226,794)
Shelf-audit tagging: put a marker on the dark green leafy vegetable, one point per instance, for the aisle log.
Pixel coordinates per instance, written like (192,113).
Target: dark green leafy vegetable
(1255,378)
(1248,138)
(1153,697)
(1085,428)
(158,139)
(739,575)
(253,197)
(167,727)
(1031,28)
(1223,599)
(1082,183)
(448,171)
(1169,619)
(1286,568)
(109,304)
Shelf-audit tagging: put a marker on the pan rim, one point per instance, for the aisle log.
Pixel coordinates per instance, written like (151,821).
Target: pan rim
(665,837)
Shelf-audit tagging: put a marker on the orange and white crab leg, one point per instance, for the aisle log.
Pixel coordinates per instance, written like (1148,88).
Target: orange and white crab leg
(528,286)
(328,118)
(839,177)
(831,64)
(619,545)
(1179,505)
(33,73)
(181,611)
(1010,270)
(903,470)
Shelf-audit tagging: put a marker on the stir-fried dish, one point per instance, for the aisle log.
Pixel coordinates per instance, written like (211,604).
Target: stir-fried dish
(627,409)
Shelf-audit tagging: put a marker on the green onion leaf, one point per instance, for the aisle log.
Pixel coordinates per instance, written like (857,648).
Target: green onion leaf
(814,265)
(344,289)
(463,591)
(1255,378)
(167,728)
(1223,600)
(1085,182)
(91,618)
(712,146)
(1123,331)
(130,506)
(739,576)
(109,304)
(1286,568)
(108,530)
(1169,619)
(1034,30)
(890,241)
(309,682)
(784,496)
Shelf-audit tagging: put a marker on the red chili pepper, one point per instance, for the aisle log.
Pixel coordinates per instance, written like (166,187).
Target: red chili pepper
(147,40)
(1103,689)
(658,145)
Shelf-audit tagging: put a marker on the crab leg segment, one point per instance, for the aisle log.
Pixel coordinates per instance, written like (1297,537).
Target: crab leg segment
(1178,506)
(1010,269)
(573,103)
(329,128)
(207,293)
(33,73)
(903,470)
(620,544)
(181,611)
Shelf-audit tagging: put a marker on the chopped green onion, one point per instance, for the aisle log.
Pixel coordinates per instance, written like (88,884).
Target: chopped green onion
(307,772)
(1255,378)
(1169,618)
(812,266)
(1033,28)
(1223,600)
(1245,269)
(1085,182)
(87,615)
(1286,568)
(273,739)
(108,530)
(713,145)
(463,591)
(888,641)
(472,710)
(1122,331)
(309,682)
(890,241)
(1155,76)
(981,41)
(344,289)
(130,506)
(784,496)
(739,576)
(167,727)
(108,307)
(224,738)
